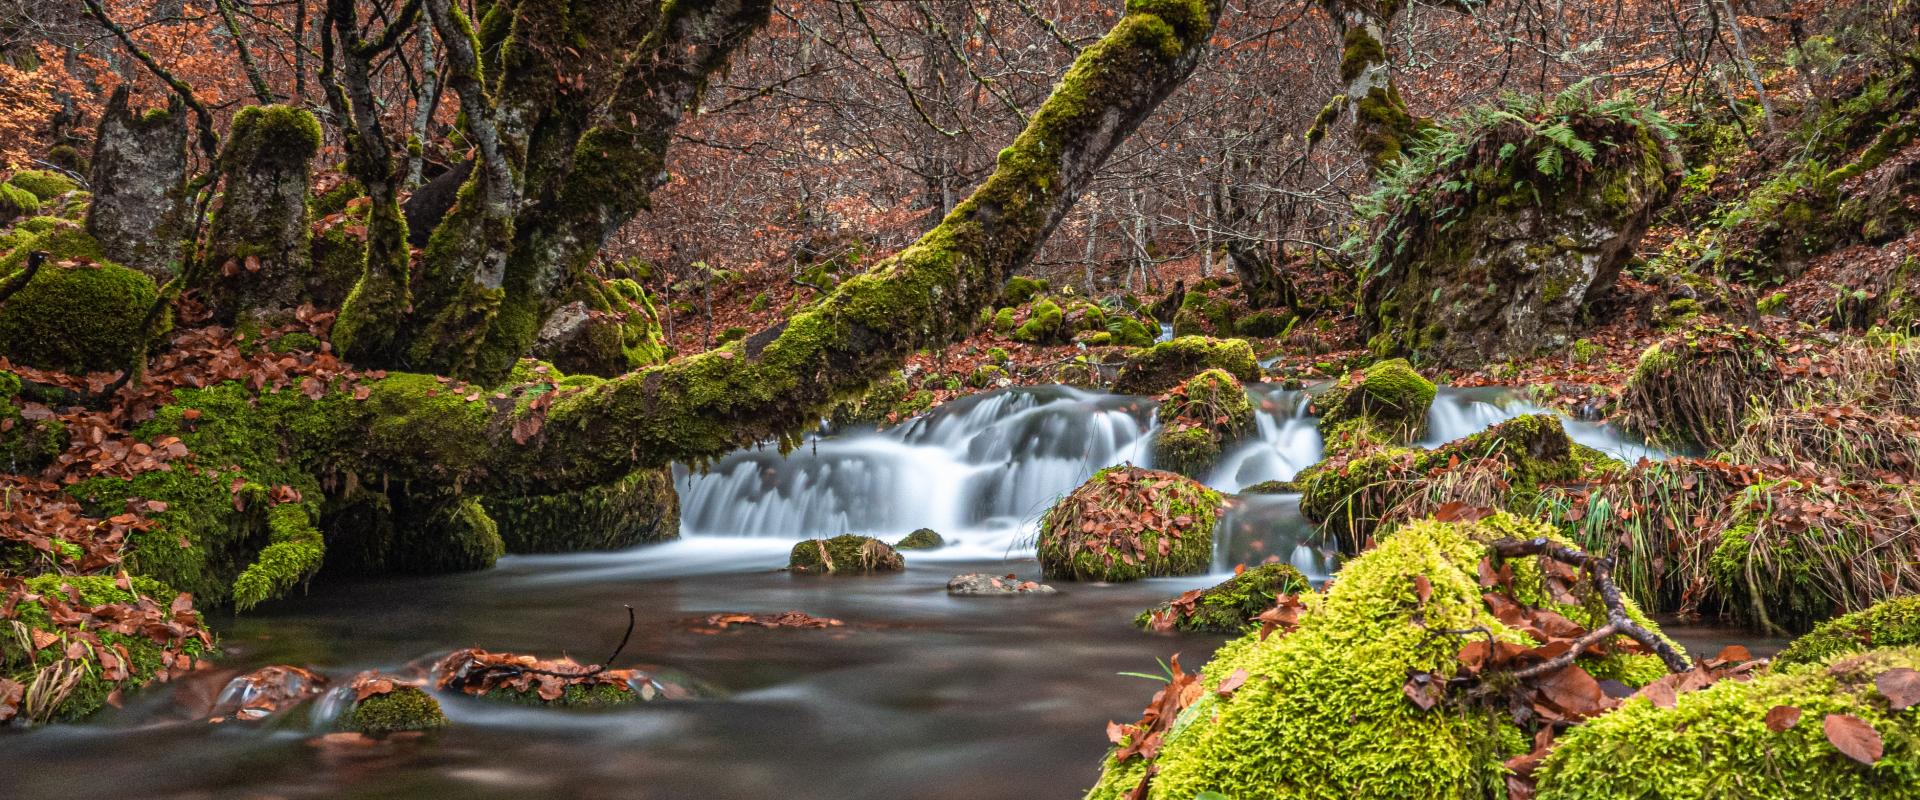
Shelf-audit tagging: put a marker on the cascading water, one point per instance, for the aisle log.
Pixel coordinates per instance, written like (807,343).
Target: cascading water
(981,470)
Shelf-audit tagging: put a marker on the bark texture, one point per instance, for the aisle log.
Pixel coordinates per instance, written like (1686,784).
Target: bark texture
(139,179)
(260,243)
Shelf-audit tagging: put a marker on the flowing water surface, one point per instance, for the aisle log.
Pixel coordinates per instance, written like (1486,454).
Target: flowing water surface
(919,695)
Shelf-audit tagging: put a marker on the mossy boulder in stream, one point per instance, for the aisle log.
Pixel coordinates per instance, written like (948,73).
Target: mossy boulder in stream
(1321,712)
(1386,402)
(1888,623)
(1127,523)
(1720,742)
(80,313)
(401,709)
(1229,606)
(922,539)
(1166,364)
(846,554)
(1199,419)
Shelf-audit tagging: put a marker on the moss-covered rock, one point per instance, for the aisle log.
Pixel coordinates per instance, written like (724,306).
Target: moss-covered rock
(16,202)
(1202,314)
(1492,245)
(142,657)
(1127,331)
(641,509)
(1265,324)
(1127,523)
(1046,324)
(78,317)
(1321,712)
(1718,743)
(1229,606)
(1019,289)
(260,244)
(42,184)
(1166,364)
(405,709)
(846,554)
(1889,623)
(1199,419)
(1387,401)
(922,539)
(889,400)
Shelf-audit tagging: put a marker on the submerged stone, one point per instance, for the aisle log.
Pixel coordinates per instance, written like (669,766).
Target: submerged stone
(976,584)
(393,706)
(1387,401)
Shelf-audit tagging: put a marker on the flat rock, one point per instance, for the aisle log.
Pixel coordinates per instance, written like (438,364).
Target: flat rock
(975,583)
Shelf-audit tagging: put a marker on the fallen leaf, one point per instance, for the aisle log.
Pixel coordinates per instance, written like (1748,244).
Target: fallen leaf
(1853,737)
(1780,718)
(1901,687)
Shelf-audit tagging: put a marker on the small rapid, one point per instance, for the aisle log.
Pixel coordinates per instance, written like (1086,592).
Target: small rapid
(981,471)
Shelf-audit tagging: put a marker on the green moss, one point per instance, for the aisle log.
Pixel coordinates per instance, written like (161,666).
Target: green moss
(1020,289)
(922,539)
(1272,487)
(1321,713)
(1003,321)
(575,696)
(1198,420)
(293,554)
(1265,324)
(84,318)
(1182,514)
(987,376)
(1716,742)
(45,185)
(295,342)
(1127,331)
(1046,324)
(1200,314)
(759,303)
(846,554)
(642,508)
(1390,398)
(1188,451)
(143,655)
(26,446)
(1888,623)
(1231,605)
(1166,364)
(1358,52)
(16,202)
(405,709)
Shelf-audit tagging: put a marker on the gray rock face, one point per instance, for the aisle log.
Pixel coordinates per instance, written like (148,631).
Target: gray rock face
(978,584)
(139,183)
(1507,273)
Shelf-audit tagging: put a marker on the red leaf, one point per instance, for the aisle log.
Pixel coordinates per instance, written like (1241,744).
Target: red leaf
(1232,683)
(1853,737)
(1780,718)
(1422,588)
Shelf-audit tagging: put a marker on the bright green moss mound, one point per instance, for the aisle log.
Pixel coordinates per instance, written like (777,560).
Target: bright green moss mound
(1020,289)
(1321,713)
(1389,400)
(1231,605)
(1046,324)
(90,694)
(16,202)
(43,184)
(1715,743)
(83,318)
(1889,623)
(1182,513)
(406,708)
(922,539)
(846,554)
(1198,420)
(1128,332)
(1166,364)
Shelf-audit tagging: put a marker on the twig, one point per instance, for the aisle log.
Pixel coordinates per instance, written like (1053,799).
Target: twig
(19,280)
(1600,570)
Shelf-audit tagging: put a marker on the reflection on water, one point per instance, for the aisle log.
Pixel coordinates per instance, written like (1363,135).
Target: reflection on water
(920,695)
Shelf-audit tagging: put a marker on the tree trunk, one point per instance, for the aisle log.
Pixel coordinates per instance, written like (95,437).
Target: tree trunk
(773,384)
(139,182)
(259,250)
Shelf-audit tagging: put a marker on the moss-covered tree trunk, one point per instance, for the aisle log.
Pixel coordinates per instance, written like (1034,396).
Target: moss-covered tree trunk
(139,183)
(774,383)
(259,254)
(561,164)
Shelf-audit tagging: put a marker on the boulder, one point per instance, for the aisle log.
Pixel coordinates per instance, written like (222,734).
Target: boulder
(922,539)
(81,313)
(1229,606)
(975,584)
(140,185)
(387,704)
(1199,419)
(1888,623)
(846,554)
(1167,364)
(1127,523)
(1386,402)
(1495,248)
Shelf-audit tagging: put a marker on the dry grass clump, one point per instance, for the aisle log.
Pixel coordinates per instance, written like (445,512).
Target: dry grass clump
(1831,440)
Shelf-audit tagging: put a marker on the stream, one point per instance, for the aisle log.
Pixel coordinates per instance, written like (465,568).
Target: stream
(920,695)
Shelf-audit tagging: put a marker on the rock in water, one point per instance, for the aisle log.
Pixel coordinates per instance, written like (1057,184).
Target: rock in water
(974,584)
(1496,254)
(923,539)
(1127,523)
(846,554)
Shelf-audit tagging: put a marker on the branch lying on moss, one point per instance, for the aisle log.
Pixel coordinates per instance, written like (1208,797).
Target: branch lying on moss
(1618,622)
